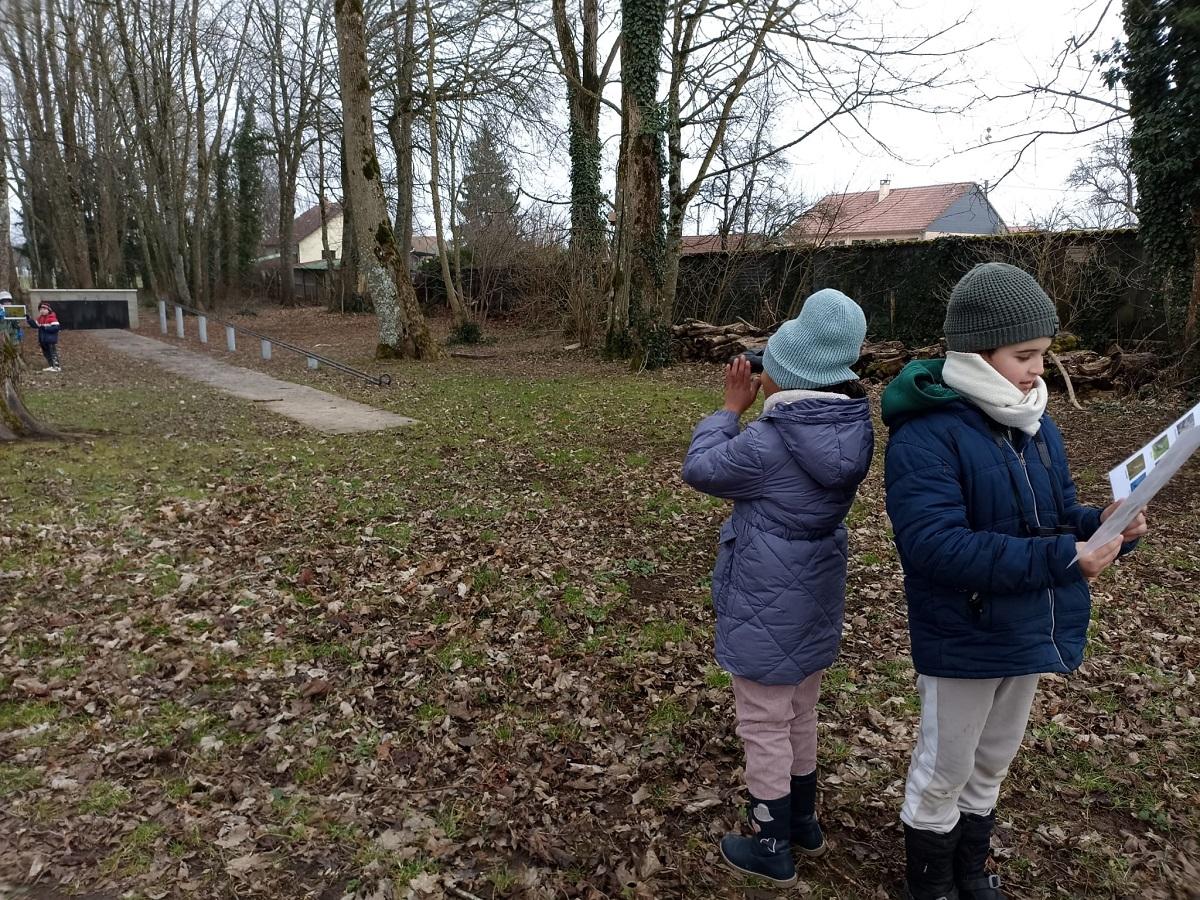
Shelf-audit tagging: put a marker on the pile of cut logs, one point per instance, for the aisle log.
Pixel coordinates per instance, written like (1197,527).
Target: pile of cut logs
(698,341)
(1118,370)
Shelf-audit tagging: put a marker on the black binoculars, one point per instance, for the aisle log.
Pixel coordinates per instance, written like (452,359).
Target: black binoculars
(755,358)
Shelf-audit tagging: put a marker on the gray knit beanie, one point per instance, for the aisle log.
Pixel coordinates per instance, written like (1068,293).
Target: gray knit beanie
(994,305)
(817,348)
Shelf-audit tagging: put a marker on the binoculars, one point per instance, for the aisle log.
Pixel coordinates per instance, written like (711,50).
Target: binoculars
(755,358)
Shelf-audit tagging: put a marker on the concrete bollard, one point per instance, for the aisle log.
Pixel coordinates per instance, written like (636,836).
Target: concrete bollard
(162,315)
(179,321)
(266,349)
(312,362)
(230,338)
(203,320)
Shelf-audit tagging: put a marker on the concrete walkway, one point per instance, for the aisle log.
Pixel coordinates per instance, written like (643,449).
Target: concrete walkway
(306,405)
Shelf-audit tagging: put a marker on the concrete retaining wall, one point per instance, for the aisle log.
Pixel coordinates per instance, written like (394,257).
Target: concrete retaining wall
(83,309)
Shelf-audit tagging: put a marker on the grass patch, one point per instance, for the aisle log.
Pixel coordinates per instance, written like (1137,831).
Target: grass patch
(26,715)
(134,855)
(15,779)
(658,634)
(103,798)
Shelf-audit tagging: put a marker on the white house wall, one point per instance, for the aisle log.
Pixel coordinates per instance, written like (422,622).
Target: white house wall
(310,245)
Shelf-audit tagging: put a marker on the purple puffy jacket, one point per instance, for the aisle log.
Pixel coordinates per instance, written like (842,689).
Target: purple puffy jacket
(779,584)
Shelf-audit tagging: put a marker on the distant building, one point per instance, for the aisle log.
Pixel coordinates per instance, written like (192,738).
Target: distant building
(307,232)
(900,214)
(424,246)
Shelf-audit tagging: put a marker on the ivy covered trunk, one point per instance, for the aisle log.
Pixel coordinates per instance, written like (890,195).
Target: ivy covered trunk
(640,315)
(1161,70)
(382,272)
(16,422)
(585,86)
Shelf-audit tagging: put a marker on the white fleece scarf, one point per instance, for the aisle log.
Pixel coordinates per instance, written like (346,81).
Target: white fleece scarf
(970,375)
(799,394)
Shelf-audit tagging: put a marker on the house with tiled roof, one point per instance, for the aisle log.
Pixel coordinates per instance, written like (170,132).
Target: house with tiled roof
(307,232)
(899,214)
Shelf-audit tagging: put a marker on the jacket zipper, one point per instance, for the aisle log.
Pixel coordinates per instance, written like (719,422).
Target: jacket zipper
(1036,519)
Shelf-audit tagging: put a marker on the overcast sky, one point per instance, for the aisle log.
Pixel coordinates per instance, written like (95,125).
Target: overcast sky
(1024,37)
(1015,44)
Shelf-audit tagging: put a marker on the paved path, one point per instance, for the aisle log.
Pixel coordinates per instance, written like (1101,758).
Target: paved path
(306,405)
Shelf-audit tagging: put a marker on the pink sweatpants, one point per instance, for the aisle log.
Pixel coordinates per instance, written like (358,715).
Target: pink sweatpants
(778,725)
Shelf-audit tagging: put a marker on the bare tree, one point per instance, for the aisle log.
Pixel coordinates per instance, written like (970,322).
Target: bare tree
(822,67)
(753,205)
(8,271)
(381,271)
(453,291)
(1107,174)
(293,37)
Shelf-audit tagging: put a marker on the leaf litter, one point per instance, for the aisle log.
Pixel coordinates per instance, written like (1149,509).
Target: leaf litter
(237,659)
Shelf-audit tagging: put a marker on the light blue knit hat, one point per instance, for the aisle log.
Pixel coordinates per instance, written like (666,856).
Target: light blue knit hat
(817,348)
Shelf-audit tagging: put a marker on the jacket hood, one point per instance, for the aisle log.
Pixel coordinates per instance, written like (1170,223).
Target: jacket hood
(830,437)
(918,389)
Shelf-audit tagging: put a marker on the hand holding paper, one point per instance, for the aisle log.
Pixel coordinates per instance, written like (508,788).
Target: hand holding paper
(1093,562)
(1134,529)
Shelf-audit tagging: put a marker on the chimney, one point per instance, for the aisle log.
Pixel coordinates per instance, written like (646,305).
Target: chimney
(885,188)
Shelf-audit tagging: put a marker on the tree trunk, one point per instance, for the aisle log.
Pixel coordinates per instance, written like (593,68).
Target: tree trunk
(458,311)
(327,280)
(1191,329)
(400,127)
(8,270)
(348,282)
(16,422)
(642,24)
(585,86)
(287,234)
(382,272)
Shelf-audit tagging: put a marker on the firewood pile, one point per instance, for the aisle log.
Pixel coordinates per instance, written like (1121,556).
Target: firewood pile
(698,341)
(883,360)
(1116,371)
(701,342)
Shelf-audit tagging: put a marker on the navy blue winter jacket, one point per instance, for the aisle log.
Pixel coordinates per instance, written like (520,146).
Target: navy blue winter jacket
(985,520)
(779,585)
(47,327)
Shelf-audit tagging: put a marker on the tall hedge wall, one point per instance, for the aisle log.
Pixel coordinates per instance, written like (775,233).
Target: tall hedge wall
(1097,279)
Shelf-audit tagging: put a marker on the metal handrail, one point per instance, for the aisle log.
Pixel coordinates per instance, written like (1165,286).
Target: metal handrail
(377,380)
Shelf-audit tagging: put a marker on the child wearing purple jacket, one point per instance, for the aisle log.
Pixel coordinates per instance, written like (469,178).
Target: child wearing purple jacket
(779,583)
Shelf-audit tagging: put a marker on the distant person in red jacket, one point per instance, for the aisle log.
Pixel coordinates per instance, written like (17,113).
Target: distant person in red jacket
(47,328)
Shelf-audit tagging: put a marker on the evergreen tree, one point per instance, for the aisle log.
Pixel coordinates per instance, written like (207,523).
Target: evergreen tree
(1160,67)
(248,150)
(488,214)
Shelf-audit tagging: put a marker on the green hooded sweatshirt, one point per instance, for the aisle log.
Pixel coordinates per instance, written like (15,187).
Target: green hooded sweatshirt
(917,389)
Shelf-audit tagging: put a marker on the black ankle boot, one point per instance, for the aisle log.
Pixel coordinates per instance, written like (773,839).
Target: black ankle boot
(929,867)
(971,856)
(806,830)
(768,854)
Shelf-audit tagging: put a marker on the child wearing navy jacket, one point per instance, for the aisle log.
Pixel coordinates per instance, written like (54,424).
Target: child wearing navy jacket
(987,526)
(47,328)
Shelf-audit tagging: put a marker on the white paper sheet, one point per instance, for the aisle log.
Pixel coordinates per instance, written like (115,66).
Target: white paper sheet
(1126,477)
(1171,460)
